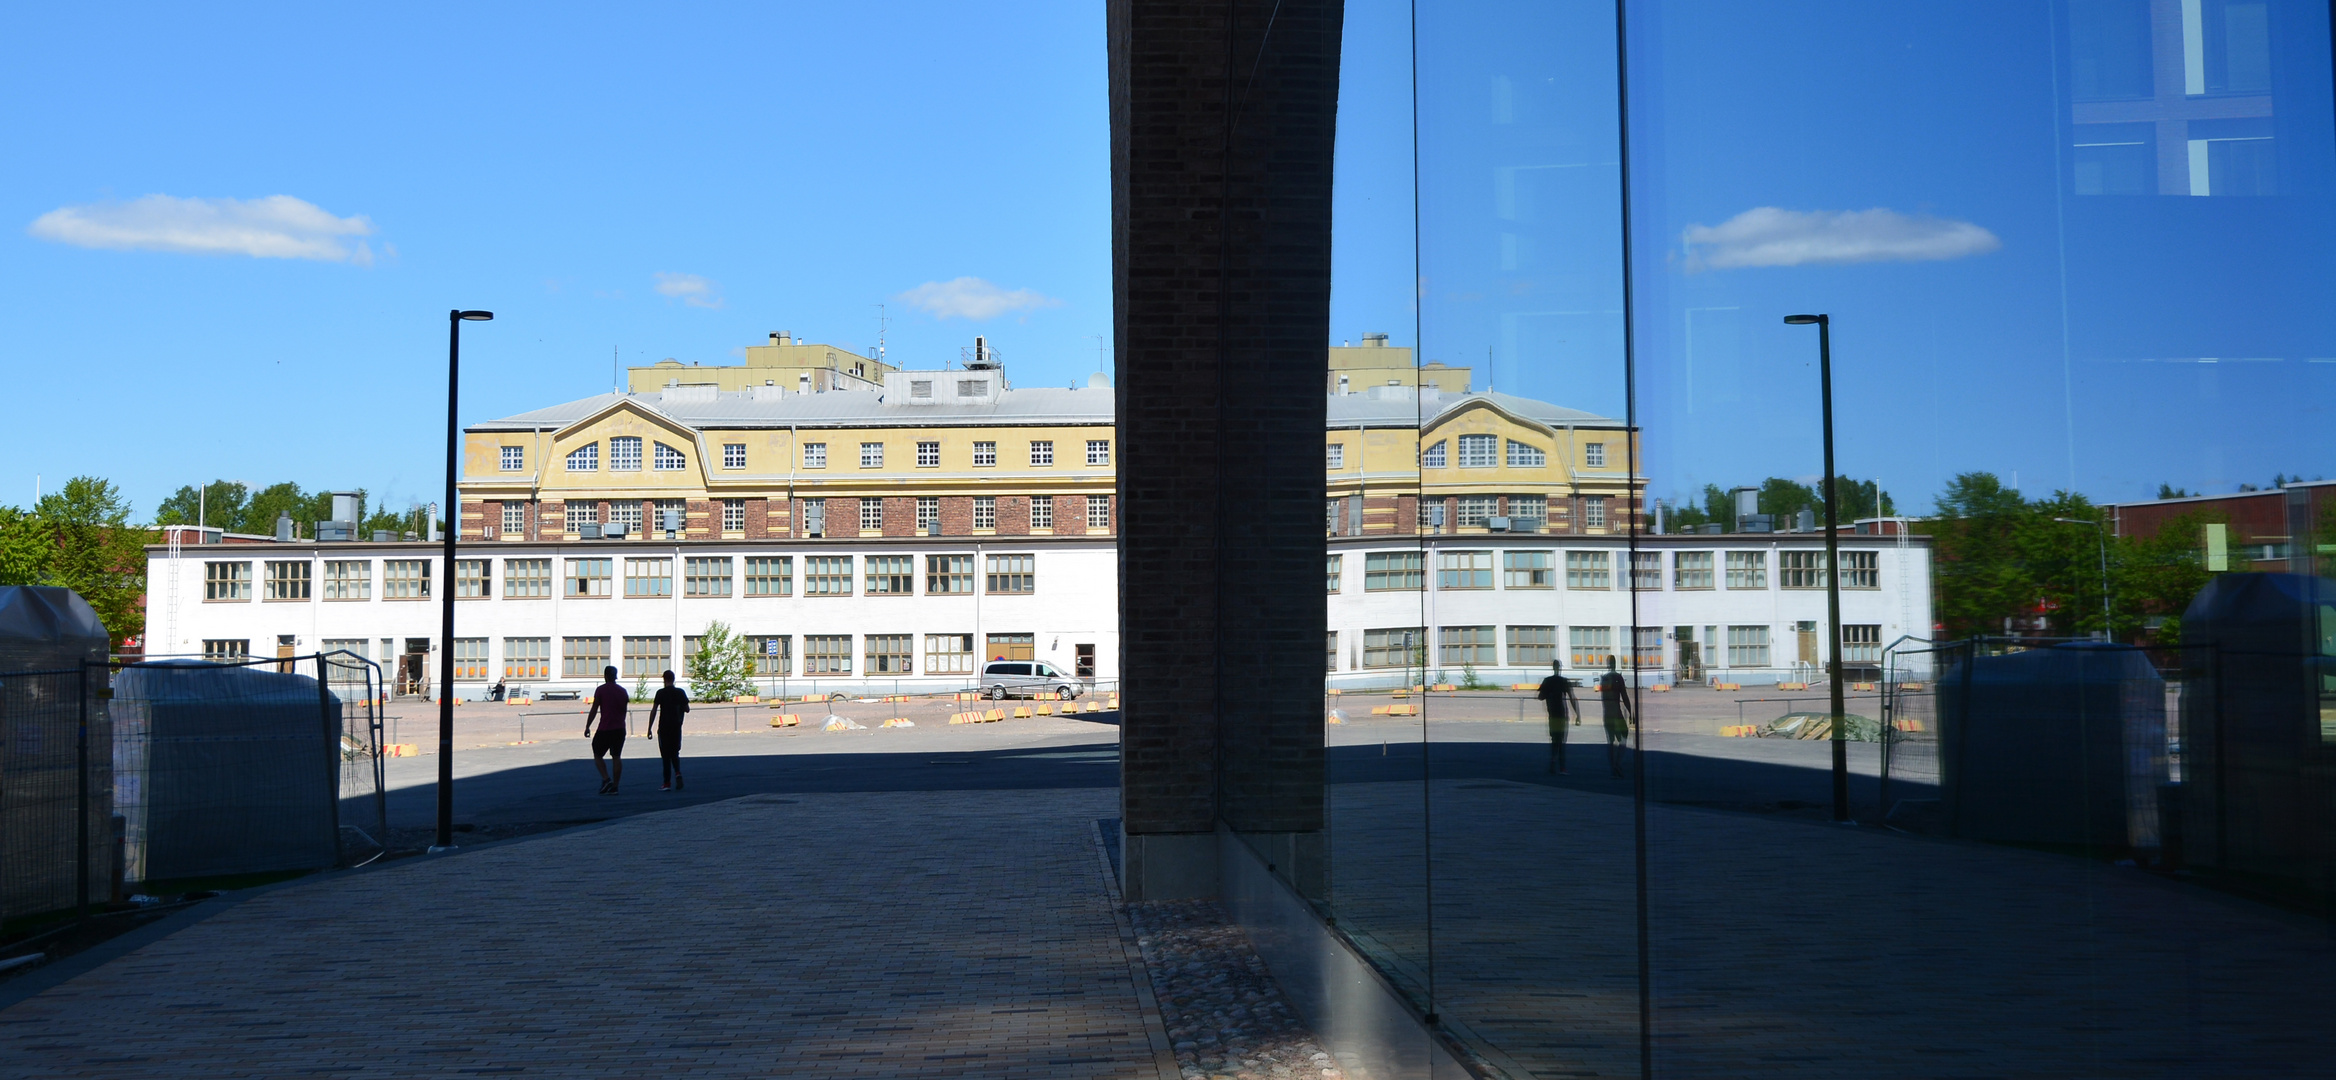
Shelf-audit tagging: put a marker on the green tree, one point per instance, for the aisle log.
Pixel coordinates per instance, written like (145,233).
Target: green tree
(24,548)
(96,551)
(2157,576)
(722,668)
(218,504)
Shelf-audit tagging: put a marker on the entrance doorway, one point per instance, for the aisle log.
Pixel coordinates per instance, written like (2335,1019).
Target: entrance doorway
(285,643)
(1084,656)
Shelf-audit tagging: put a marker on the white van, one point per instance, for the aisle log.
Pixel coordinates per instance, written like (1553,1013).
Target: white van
(1001,679)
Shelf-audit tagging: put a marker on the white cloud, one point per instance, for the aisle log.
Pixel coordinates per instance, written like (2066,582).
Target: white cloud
(276,227)
(1770,236)
(972,298)
(690,289)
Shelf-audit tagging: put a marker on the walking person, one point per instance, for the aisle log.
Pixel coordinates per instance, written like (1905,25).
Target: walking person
(670,703)
(1614,694)
(608,706)
(1557,692)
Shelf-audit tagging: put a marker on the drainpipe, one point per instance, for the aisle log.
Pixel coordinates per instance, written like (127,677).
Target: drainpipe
(794,458)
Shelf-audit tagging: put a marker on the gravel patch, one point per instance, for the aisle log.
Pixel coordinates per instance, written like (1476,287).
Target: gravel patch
(1225,1015)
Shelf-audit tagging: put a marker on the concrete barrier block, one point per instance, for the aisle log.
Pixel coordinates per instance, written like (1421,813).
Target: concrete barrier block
(786,720)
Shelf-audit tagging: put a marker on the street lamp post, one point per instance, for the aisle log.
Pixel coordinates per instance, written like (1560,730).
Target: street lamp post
(1824,324)
(453,510)
(2108,624)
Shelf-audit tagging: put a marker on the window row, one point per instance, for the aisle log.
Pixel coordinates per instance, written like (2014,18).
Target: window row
(1398,571)
(530,659)
(644,577)
(1525,513)
(928,454)
(870,514)
(1484,452)
(624,455)
(1587,648)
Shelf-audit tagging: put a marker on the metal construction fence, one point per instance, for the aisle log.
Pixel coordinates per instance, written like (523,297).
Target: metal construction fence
(126,774)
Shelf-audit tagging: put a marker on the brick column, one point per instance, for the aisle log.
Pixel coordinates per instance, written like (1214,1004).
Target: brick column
(1221,289)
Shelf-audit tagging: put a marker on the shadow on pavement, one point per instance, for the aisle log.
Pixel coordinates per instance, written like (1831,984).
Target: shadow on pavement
(1673,778)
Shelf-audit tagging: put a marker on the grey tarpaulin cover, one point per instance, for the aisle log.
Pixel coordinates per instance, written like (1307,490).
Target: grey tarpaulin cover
(2259,726)
(224,770)
(2061,745)
(49,629)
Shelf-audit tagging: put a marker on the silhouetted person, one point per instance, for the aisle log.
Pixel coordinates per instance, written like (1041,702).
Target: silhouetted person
(670,703)
(1557,692)
(497,693)
(608,705)
(1614,694)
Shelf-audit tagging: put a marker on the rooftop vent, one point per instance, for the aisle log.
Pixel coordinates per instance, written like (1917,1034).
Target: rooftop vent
(1374,341)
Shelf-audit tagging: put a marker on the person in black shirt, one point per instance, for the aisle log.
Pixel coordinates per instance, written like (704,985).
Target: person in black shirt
(1557,692)
(670,703)
(1614,694)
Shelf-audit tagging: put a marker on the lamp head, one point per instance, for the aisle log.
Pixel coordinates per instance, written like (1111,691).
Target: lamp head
(474,316)
(1803,320)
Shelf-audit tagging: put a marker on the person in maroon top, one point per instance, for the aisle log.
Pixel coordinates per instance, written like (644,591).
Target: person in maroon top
(608,706)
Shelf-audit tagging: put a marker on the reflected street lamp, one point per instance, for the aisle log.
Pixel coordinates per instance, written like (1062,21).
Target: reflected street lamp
(1824,324)
(453,504)
(2108,625)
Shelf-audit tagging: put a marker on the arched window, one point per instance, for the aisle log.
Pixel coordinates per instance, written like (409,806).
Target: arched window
(670,459)
(585,458)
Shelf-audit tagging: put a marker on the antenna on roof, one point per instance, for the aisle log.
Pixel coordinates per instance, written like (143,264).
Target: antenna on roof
(616,381)
(880,323)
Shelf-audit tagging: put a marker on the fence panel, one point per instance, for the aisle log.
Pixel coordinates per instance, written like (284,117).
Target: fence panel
(41,774)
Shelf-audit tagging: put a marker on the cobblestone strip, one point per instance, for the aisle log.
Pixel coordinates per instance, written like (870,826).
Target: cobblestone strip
(1226,1016)
(1138,972)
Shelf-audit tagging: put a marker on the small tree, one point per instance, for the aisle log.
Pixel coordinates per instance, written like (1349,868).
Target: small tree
(722,669)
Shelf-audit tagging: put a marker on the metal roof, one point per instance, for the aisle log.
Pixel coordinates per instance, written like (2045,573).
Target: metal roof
(1396,407)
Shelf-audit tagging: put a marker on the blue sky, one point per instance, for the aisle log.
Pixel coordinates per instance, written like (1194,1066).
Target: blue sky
(789,167)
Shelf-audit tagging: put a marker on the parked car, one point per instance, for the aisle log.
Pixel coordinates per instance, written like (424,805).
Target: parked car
(1001,679)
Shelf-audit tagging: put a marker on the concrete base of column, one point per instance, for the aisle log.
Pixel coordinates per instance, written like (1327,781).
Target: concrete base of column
(1168,866)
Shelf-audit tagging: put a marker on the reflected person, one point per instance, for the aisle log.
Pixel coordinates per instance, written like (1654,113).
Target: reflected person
(1614,694)
(1557,693)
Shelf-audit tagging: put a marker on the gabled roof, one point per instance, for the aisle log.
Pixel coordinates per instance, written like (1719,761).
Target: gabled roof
(1376,408)
(736,409)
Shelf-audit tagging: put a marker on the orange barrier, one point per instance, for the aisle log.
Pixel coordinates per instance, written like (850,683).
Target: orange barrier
(1727,686)
(1093,706)
(401,749)
(1021,712)
(899,721)
(1045,710)
(786,720)
(1740,731)
(1524,686)
(1395,710)
(1792,686)
(1911,687)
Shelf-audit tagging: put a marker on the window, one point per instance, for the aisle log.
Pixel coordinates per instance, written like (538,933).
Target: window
(1393,647)
(1464,570)
(1475,509)
(1861,643)
(583,657)
(919,389)
(1393,571)
(871,455)
(985,511)
(1432,457)
(1861,570)
(514,459)
(770,575)
(1589,646)
(1334,456)
(1594,455)
(669,459)
(351,580)
(1747,646)
(470,659)
(1526,455)
(1330,516)
(625,514)
(890,654)
(473,579)
(582,514)
(514,519)
(527,658)
(1013,574)
(1747,569)
(1528,513)
(288,580)
(815,455)
(1593,511)
(624,453)
(734,455)
(1041,453)
(1646,571)
(1528,570)
(1646,646)
(928,455)
(1098,511)
(1334,567)
(585,458)
(647,657)
(1800,569)
(928,514)
(949,575)
(1330,651)
(773,653)
(891,575)
(973,388)
(705,575)
(1042,511)
(871,515)
(227,581)
(733,515)
(827,654)
(527,579)
(1479,451)
(1466,645)
(1431,514)
(985,453)
(648,577)
(1586,570)
(814,517)
(1532,646)
(405,579)
(1099,452)
(827,575)
(226,650)
(1691,570)
(948,654)
(587,577)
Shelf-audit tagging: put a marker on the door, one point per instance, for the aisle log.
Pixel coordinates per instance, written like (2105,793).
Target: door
(285,643)
(1013,646)
(1085,662)
(1806,633)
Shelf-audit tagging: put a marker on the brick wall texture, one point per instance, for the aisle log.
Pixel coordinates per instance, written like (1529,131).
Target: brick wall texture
(1221,139)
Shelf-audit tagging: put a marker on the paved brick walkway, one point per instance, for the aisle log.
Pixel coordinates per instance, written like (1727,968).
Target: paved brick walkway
(835,935)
